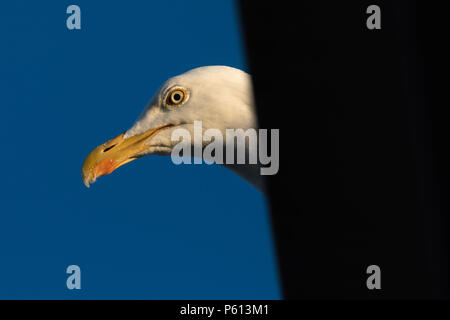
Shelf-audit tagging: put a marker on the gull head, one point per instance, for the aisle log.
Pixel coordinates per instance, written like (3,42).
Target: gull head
(219,96)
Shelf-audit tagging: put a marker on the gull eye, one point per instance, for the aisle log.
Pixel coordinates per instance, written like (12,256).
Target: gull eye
(176,97)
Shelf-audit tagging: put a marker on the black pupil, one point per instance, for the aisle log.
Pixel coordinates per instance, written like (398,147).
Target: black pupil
(177,97)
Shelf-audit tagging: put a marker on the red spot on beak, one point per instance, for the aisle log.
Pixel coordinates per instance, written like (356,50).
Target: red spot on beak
(104,167)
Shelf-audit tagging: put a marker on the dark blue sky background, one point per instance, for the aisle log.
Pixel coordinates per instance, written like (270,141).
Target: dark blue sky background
(150,230)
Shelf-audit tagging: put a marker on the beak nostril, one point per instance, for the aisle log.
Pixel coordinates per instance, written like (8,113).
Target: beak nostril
(109,148)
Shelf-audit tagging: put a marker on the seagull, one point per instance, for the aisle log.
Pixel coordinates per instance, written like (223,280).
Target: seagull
(219,96)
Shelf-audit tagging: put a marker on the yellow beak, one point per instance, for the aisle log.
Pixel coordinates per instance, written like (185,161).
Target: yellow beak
(115,153)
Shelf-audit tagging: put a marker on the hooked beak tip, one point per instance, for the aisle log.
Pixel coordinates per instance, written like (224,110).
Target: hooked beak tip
(86,179)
